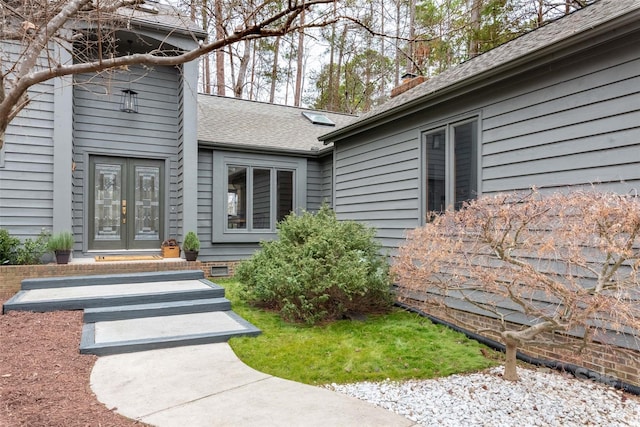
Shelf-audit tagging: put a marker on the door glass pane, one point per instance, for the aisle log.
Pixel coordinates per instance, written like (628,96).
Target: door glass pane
(261,199)
(107,198)
(465,136)
(285,194)
(436,157)
(147,203)
(236,197)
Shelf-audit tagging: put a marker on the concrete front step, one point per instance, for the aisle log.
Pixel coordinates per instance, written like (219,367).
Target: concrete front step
(116,294)
(141,334)
(141,311)
(110,279)
(136,311)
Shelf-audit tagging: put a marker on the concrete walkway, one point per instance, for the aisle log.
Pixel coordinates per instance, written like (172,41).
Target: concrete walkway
(207,385)
(145,327)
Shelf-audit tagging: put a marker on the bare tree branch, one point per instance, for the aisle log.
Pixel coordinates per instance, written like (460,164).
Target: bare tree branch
(567,263)
(25,73)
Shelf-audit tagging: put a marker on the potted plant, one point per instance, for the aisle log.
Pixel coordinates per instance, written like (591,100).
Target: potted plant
(191,246)
(61,244)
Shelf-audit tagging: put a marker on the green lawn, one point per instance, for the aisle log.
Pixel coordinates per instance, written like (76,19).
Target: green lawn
(398,346)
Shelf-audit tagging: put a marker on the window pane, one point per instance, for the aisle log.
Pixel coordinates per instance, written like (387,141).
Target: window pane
(147,203)
(466,185)
(285,194)
(436,189)
(237,197)
(261,199)
(108,196)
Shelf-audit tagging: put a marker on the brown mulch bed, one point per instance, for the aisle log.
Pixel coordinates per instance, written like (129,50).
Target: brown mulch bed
(44,380)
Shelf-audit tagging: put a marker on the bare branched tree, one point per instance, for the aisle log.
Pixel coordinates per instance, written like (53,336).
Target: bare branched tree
(546,267)
(34,26)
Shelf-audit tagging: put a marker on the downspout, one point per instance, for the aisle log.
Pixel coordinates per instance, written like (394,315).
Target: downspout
(577,371)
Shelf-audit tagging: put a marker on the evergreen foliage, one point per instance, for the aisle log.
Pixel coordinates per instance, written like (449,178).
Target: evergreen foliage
(319,269)
(12,252)
(191,242)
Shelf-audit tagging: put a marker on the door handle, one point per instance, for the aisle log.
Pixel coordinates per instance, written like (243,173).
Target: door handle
(124,211)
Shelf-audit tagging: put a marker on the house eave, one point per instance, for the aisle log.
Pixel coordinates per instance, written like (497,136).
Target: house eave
(161,28)
(612,29)
(249,148)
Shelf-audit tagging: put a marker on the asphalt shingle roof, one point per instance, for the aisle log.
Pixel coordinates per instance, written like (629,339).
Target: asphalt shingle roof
(551,34)
(153,14)
(251,124)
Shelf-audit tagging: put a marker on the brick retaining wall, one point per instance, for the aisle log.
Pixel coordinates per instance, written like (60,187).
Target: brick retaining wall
(12,275)
(620,364)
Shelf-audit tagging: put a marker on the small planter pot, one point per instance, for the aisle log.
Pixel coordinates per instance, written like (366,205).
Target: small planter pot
(190,255)
(62,257)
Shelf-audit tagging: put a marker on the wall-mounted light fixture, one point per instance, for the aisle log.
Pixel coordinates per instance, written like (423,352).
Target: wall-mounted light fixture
(128,97)
(129,101)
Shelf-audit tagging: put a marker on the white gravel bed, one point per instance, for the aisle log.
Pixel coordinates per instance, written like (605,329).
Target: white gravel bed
(540,398)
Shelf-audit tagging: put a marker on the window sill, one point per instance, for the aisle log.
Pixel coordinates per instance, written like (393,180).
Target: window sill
(243,236)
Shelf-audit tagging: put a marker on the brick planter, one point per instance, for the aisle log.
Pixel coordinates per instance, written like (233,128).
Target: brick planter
(12,275)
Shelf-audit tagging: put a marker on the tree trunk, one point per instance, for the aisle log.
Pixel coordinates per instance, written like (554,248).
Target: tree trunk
(510,369)
(220,85)
(396,78)
(242,69)
(473,47)
(206,65)
(252,80)
(232,66)
(383,88)
(274,70)
(540,17)
(412,36)
(330,84)
(206,74)
(289,68)
(298,88)
(336,88)
(368,65)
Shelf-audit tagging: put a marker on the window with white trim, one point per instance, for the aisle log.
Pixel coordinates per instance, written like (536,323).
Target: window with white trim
(450,165)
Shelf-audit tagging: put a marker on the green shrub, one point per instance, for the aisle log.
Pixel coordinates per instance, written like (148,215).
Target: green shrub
(318,270)
(8,247)
(191,242)
(28,253)
(32,250)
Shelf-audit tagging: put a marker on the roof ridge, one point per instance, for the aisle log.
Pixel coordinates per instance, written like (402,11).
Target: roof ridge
(265,103)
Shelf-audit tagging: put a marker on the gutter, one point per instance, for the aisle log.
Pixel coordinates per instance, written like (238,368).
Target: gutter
(248,148)
(151,25)
(577,371)
(480,80)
